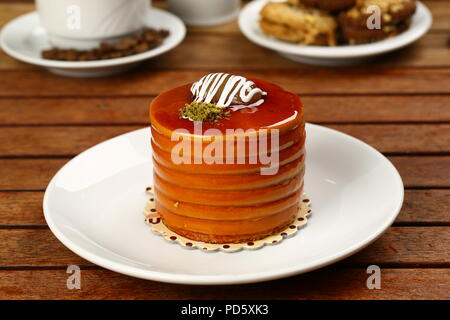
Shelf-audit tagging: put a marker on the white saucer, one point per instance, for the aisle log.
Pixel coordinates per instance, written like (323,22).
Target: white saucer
(331,56)
(24,39)
(94,206)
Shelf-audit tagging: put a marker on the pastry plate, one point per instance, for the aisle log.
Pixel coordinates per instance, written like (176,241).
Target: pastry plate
(94,204)
(24,38)
(331,56)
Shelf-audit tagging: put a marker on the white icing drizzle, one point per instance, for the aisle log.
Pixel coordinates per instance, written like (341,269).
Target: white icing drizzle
(206,88)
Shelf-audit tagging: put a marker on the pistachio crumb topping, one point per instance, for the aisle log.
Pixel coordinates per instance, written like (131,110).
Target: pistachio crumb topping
(201,111)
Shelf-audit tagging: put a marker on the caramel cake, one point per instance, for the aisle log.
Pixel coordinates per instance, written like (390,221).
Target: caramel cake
(228,157)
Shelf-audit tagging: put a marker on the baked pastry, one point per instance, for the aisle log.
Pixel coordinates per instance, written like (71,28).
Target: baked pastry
(328,5)
(358,35)
(392,12)
(394,18)
(298,24)
(233,194)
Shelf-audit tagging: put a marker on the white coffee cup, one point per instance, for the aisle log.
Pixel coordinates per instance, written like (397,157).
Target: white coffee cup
(83,24)
(205,12)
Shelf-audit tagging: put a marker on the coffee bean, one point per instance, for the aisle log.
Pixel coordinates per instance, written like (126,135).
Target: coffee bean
(146,40)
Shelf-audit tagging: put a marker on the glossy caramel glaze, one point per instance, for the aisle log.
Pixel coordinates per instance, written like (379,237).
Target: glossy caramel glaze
(165,109)
(228,202)
(229,181)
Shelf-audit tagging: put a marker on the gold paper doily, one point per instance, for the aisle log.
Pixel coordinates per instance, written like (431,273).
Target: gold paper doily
(157,226)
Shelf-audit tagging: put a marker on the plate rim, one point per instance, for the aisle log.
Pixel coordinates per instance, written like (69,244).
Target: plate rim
(86,65)
(222,279)
(337,52)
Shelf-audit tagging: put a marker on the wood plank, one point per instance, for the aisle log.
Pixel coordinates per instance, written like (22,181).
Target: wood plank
(134,110)
(423,171)
(9,11)
(35,174)
(341,283)
(430,51)
(91,110)
(431,207)
(55,141)
(29,174)
(440,11)
(398,246)
(401,138)
(411,245)
(360,109)
(425,206)
(21,209)
(371,80)
(21,247)
(70,140)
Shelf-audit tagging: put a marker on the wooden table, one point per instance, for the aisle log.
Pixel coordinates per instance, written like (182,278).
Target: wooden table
(400,104)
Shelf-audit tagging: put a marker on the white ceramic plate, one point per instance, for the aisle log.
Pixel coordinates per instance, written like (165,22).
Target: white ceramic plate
(24,38)
(339,55)
(94,206)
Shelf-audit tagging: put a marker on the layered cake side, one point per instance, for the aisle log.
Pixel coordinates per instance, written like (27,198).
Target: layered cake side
(235,176)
